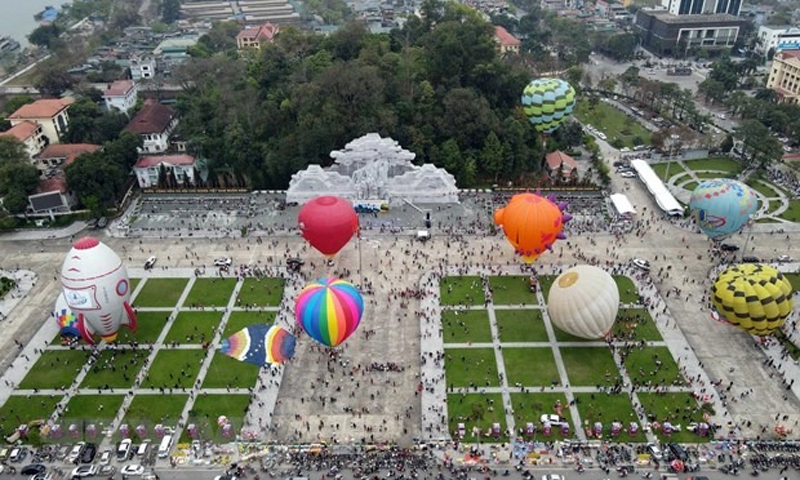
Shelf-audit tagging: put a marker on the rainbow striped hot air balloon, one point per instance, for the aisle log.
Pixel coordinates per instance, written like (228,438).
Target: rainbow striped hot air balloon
(260,344)
(329,310)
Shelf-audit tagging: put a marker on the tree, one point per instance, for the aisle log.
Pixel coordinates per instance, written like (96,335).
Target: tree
(53,81)
(45,36)
(170,10)
(15,201)
(11,150)
(14,103)
(712,90)
(221,37)
(759,147)
(92,176)
(621,46)
(22,176)
(491,161)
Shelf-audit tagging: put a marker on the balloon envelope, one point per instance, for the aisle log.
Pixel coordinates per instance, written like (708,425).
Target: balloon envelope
(548,102)
(583,301)
(531,224)
(721,207)
(329,310)
(756,298)
(327,223)
(66,319)
(260,344)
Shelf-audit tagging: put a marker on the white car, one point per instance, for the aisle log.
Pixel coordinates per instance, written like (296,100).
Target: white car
(784,258)
(223,262)
(135,470)
(640,263)
(553,476)
(84,471)
(124,449)
(75,453)
(150,263)
(627,174)
(602,136)
(105,457)
(554,420)
(655,452)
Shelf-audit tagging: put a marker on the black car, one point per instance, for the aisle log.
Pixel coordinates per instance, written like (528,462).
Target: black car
(102,222)
(33,469)
(727,247)
(88,453)
(750,259)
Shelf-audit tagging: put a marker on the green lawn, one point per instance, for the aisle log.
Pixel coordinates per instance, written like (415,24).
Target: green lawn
(193,327)
(661,169)
(479,411)
(642,366)
(133,283)
(148,328)
(521,325)
(794,279)
(532,367)
(206,410)
(54,369)
(466,326)
(715,163)
(713,175)
(793,212)
(676,408)
(529,407)
(150,410)
(589,366)
(690,186)
(636,324)
(174,369)
(562,336)
(544,283)
(211,292)
(115,369)
(508,290)
(161,292)
(462,291)
(21,409)
(261,292)
(465,365)
(93,408)
(613,122)
(239,320)
(627,290)
(763,187)
(227,372)
(607,408)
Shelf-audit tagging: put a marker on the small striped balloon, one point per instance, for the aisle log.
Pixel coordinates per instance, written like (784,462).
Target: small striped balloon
(329,310)
(548,102)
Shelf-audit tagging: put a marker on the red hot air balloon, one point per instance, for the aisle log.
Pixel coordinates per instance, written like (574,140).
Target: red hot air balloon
(327,223)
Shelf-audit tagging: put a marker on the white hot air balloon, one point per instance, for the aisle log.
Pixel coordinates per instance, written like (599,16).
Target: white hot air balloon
(584,301)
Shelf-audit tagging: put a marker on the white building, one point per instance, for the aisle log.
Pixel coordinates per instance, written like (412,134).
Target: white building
(52,114)
(29,134)
(695,7)
(778,38)
(121,95)
(179,170)
(143,68)
(155,123)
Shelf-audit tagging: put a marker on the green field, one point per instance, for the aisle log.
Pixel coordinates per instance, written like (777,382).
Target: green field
(261,292)
(529,407)
(676,408)
(21,409)
(54,369)
(208,408)
(161,292)
(531,367)
(239,320)
(227,372)
(613,122)
(661,169)
(793,212)
(471,365)
(466,326)
(607,408)
(115,369)
(521,325)
(462,291)
(713,175)
(690,186)
(636,324)
(193,327)
(512,290)
(210,292)
(724,164)
(150,410)
(97,408)
(148,328)
(590,366)
(765,188)
(644,369)
(174,369)
(134,282)
(544,283)
(627,290)
(475,410)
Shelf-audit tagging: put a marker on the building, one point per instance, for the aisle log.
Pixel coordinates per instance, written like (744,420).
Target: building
(52,195)
(612,10)
(778,38)
(51,114)
(784,76)
(665,34)
(506,42)
(29,134)
(155,123)
(180,168)
(251,37)
(699,7)
(142,68)
(553,5)
(121,95)
(559,161)
(61,155)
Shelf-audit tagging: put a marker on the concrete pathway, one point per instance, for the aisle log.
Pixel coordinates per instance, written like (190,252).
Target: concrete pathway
(508,406)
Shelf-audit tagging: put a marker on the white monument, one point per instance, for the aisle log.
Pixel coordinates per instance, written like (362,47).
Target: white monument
(374,168)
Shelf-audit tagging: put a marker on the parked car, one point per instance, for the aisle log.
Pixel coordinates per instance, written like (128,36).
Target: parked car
(18,454)
(641,263)
(627,174)
(84,471)
(102,222)
(784,258)
(223,262)
(132,470)
(150,263)
(88,453)
(554,420)
(124,449)
(105,457)
(727,247)
(750,259)
(655,452)
(33,469)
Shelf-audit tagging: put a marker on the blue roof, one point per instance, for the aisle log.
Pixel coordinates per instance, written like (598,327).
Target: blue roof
(49,14)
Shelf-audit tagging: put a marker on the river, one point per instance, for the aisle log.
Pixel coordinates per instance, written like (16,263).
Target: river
(16,17)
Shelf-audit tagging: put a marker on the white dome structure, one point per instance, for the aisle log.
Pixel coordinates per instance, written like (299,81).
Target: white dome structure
(584,302)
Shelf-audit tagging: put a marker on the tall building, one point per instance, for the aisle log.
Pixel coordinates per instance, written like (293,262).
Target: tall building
(778,38)
(784,76)
(696,7)
(663,33)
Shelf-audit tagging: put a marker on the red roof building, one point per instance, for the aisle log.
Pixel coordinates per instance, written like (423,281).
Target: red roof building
(506,42)
(121,95)
(251,37)
(52,195)
(65,153)
(29,134)
(560,161)
(155,123)
(180,169)
(51,114)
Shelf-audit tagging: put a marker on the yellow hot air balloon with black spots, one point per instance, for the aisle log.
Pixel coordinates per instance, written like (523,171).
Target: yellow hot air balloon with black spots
(756,298)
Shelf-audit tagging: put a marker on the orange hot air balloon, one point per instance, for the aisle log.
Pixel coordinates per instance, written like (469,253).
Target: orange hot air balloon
(532,223)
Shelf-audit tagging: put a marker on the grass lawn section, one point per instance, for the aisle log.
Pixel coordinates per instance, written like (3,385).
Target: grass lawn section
(763,187)
(627,290)
(793,212)
(715,163)
(521,325)
(661,169)
(239,320)
(642,368)
(767,220)
(465,365)
(228,372)
(562,336)
(20,409)
(54,369)
(211,292)
(544,282)
(532,367)
(133,283)
(193,327)
(794,279)
(512,290)
(124,363)
(475,410)
(173,362)
(150,410)
(612,122)
(148,328)
(264,292)
(606,408)
(529,407)
(466,326)
(206,410)
(690,186)
(712,175)
(589,366)
(636,324)
(462,291)
(92,408)
(676,408)
(161,292)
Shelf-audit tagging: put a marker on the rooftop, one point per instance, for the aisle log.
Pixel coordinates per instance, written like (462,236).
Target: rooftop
(557,158)
(787,54)
(667,17)
(68,151)
(172,160)
(52,184)
(505,38)
(120,88)
(153,118)
(21,131)
(46,108)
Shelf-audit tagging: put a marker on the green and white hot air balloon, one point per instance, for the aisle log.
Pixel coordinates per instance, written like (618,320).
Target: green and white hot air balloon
(548,102)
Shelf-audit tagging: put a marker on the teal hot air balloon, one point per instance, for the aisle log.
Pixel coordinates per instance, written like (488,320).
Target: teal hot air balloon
(548,102)
(722,207)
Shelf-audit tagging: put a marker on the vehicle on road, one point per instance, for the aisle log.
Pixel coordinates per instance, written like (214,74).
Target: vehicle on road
(727,247)
(627,174)
(750,259)
(75,453)
(84,471)
(784,258)
(223,262)
(641,263)
(655,452)
(150,263)
(102,222)
(553,476)
(132,470)
(33,469)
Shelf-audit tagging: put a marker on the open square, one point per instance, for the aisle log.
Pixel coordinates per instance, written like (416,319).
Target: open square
(174,369)
(210,292)
(193,327)
(512,290)
(261,292)
(462,326)
(161,292)
(465,367)
(462,291)
(521,326)
(530,367)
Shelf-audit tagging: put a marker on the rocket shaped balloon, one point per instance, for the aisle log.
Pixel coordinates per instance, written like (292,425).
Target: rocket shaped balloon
(97,290)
